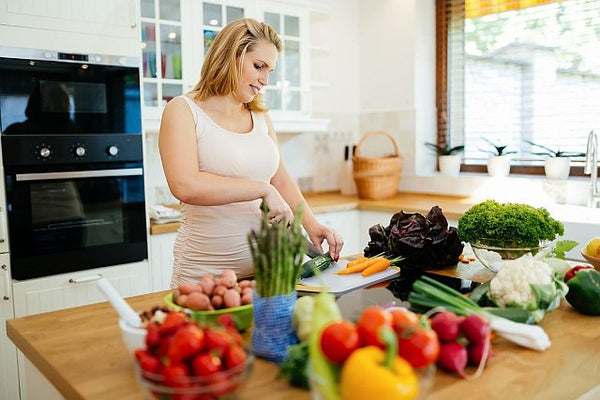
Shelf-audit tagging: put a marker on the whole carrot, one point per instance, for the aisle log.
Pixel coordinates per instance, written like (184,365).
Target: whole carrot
(360,267)
(355,262)
(380,265)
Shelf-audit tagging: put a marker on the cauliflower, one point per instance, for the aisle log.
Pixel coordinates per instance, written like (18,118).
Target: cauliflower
(511,287)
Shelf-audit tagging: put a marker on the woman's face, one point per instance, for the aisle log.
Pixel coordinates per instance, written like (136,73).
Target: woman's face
(255,70)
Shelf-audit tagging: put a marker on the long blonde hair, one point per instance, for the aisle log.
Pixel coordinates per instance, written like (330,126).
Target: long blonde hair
(219,75)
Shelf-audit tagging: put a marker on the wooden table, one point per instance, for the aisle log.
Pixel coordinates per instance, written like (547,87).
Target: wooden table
(81,353)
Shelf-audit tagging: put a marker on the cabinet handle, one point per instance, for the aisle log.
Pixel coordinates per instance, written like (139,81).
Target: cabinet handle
(6,279)
(85,279)
(132,14)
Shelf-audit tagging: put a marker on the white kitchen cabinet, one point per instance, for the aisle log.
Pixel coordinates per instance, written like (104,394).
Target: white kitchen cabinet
(161,260)
(86,26)
(74,289)
(8,351)
(346,223)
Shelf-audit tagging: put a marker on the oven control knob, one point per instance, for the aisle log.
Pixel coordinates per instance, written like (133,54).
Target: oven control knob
(112,150)
(45,152)
(79,151)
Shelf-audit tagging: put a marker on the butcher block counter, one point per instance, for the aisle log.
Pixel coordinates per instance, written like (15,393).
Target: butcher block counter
(80,352)
(452,206)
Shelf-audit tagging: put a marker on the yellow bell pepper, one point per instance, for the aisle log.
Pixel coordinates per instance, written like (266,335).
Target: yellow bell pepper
(371,373)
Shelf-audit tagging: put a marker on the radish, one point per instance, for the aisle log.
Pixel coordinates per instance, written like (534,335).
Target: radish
(453,358)
(475,329)
(447,326)
(477,352)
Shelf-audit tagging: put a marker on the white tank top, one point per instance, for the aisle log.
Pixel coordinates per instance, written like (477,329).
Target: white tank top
(213,238)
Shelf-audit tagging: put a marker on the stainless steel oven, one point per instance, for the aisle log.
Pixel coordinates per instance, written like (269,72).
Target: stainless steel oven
(72,157)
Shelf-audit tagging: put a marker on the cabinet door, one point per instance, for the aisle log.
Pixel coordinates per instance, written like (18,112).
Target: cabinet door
(57,292)
(346,223)
(8,351)
(115,18)
(161,260)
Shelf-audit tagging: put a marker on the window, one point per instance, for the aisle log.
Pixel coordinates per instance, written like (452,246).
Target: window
(513,71)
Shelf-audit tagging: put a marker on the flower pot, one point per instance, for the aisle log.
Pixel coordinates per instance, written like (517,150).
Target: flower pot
(450,165)
(498,165)
(557,167)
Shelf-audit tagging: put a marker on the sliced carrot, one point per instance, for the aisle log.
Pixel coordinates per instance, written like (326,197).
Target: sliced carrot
(360,267)
(357,261)
(379,266)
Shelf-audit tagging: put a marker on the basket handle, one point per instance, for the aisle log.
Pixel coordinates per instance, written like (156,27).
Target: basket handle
(373,133)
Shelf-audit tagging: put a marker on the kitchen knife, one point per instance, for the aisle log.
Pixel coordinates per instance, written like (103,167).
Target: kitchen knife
(311,249)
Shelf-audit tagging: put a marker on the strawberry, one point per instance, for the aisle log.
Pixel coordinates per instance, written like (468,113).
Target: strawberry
(172,321)
(234,356)
(205,364)
(235,336)
(147,361)
(217,340)
(152,336)
(226,320)
(187,341)
(163,346)
(175,374)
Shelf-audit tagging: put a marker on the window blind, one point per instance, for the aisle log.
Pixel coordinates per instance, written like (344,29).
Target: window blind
(516,71)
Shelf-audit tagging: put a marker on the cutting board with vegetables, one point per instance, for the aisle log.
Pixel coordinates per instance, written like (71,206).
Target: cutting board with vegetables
(331,282)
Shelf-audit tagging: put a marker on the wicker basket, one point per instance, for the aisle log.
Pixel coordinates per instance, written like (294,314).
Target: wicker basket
(377,178)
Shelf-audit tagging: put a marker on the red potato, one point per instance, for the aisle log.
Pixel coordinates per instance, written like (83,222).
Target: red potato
(246,291)
(198,302)
(228,278)
(176,294)
(244,283)
(232,299)
(238,289)
(219,290)
(217,302)
(247,298)
(187,288)
(207,285)
(182,300)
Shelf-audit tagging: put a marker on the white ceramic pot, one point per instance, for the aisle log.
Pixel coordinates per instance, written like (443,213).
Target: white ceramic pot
(498,165)
(450,165)
(557,167)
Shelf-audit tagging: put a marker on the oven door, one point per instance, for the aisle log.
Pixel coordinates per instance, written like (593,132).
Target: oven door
(65,221)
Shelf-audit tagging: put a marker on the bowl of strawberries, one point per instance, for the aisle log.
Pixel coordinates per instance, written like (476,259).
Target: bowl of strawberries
(185,360)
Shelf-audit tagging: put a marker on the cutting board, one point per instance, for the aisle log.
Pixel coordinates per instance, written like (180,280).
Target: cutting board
(331,282)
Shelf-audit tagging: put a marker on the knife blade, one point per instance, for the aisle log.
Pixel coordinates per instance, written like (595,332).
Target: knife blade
(311,250)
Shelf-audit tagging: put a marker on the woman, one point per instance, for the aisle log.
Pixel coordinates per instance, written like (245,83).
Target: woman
(221,160)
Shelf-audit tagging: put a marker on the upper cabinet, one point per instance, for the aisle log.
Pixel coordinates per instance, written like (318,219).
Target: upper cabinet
(176,35)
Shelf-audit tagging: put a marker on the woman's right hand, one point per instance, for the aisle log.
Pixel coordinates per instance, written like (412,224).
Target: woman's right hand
(279,210)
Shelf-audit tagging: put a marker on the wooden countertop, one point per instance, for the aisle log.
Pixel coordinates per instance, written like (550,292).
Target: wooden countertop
(81,353)
(452,206)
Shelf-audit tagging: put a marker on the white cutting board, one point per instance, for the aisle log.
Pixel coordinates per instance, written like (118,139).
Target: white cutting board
(331,282)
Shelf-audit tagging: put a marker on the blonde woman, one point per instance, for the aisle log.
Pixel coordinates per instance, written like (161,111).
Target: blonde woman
(221,158)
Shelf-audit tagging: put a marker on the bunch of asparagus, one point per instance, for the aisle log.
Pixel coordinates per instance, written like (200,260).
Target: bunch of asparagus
(277,251)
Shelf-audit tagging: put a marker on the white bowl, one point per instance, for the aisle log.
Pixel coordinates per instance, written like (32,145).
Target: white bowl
(134,338)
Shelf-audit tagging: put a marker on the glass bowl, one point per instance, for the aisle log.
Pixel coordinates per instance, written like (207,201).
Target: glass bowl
(221,385)
(492,256)
(242,315)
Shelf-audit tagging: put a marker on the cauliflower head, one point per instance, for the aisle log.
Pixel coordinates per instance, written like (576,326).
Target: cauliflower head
(511,287)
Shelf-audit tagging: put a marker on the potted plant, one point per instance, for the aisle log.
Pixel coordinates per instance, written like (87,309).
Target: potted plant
(449,158)
(558,163)
(499,160)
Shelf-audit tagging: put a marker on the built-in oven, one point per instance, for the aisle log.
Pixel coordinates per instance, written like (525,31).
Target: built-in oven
(72,160)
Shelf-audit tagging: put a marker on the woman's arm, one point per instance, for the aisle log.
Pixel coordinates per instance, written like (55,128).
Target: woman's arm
(179,154)
(284,183)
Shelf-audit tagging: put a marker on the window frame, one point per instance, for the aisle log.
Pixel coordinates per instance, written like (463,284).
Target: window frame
(441,94)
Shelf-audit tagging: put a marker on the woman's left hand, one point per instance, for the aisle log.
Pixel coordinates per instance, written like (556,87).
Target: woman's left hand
(322,232)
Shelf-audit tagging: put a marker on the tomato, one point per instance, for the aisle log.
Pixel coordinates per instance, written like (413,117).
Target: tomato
(338,340)
(402,317)
(370,322)
(418,345)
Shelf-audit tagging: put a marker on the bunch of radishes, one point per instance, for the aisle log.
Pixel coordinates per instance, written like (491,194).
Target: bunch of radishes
(463,340)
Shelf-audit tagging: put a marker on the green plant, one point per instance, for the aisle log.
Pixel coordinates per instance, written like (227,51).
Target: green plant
(445,150)
(508,224)
(546,151)
(499,150)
